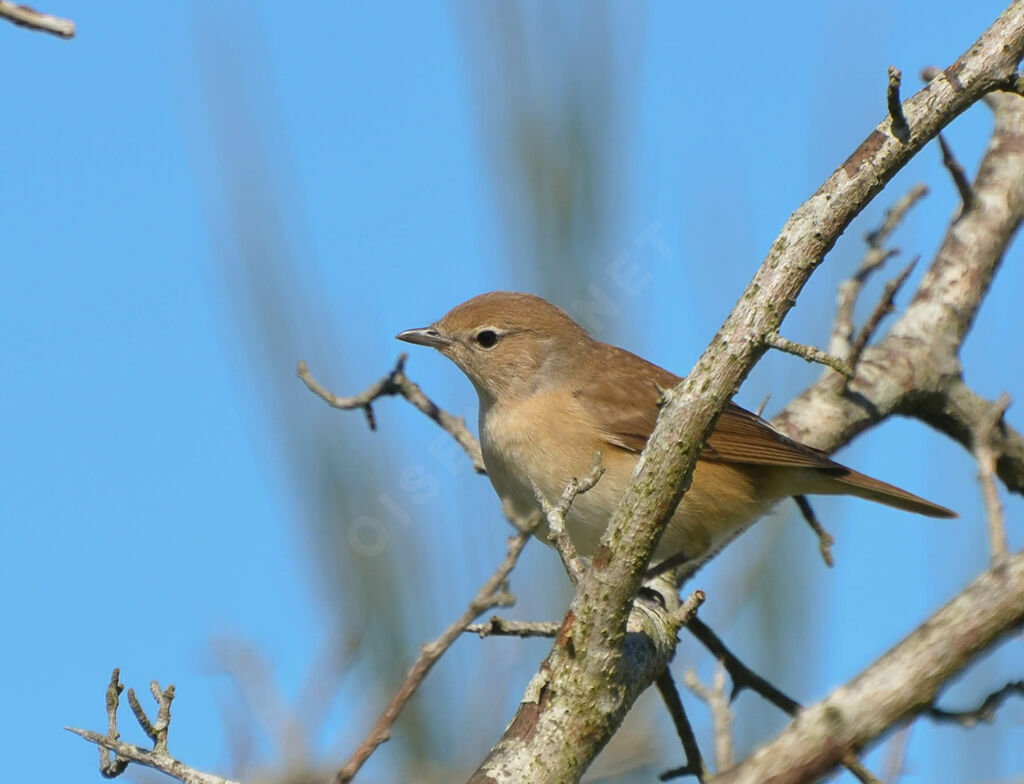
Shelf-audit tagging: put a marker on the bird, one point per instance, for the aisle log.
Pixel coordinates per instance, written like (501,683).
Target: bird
(550,396)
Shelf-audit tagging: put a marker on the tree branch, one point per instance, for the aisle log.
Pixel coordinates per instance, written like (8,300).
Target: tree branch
(493,593)
(397,383)
(158,758)
(500,627)
(555,514)
(899,686)
(984,712)
(23,16)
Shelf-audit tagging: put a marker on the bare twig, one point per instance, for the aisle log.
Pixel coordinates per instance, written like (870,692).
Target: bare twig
(984,712)
(764,404)
(956,171)
(397,383)
(555,516)
(158,758)
(825,539)
(112,768)
(687,611)
(886,305)
(810,353)
(985,455)
(745,678)
(23,16)
(493,593)
(896,687)
(742,676)
(898,121)
(500,627)
(721,713)
(875,256)
(694,761)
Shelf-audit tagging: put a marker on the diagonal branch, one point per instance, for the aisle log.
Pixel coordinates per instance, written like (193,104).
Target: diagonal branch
(24,16)
(493,593)
(897,687)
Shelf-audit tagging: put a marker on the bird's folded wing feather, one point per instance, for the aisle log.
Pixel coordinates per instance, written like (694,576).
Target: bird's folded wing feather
(625,408)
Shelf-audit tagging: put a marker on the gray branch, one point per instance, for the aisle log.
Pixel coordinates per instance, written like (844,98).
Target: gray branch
(858,712)
(24,16)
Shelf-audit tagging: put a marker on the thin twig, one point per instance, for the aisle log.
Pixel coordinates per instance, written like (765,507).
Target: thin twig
(694,761)
(825,539)
(23,16)
(687,611)
(876,255)
(898,121)
(984,712)
(501,627)
(721,714)
(886,305)
(745,678)
(112,768)
(764,404)
(555,516)
(742,676)
(158,757)
(985,433)
(810,353)
(956,171)
(493,593)
(397,383)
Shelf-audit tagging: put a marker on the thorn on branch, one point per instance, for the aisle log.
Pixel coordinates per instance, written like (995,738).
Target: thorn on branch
(810,353)
(956,171)
(898,122)
(825,539)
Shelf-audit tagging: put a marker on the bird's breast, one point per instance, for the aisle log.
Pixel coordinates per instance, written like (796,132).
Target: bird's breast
(545,441)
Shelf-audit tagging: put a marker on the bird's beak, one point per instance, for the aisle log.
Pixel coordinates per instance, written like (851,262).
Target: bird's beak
(424,336)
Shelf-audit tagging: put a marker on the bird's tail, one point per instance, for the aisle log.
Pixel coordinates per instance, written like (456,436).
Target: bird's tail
(846,481)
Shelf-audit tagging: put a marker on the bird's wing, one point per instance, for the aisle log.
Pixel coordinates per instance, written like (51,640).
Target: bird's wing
(626,410)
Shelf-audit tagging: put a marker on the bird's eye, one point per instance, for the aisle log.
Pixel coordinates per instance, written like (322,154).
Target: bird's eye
(486,338)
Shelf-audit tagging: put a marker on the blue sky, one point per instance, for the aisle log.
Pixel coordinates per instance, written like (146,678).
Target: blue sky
(149,501)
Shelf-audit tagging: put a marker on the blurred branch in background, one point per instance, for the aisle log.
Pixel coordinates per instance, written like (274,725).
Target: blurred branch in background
(552,83)
(280,315)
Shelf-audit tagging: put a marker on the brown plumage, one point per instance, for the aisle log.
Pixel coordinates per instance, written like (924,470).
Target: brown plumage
(550,395)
